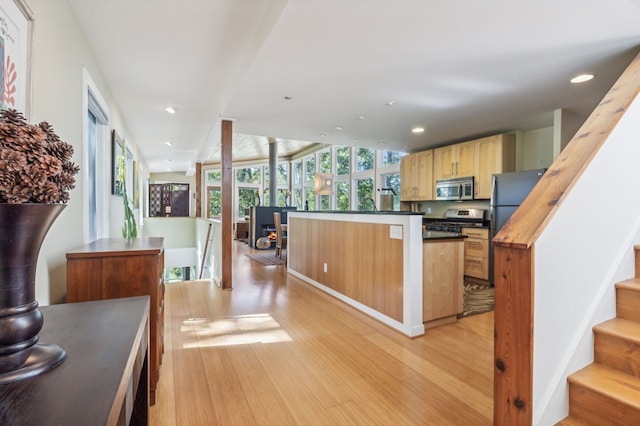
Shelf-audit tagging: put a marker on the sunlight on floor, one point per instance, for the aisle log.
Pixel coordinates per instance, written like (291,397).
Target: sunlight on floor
(240,330)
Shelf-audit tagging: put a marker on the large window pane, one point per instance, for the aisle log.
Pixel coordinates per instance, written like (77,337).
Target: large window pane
(342,195)
(283,174)
(297,199)
(247,198)
(343,160)
(214,176)
(214,197)
(390,158)
(392,180)
(310,198)
(248,175)
(325,162)
(364,159)
(297,173)
(325,202)
(364,194)
(310,168)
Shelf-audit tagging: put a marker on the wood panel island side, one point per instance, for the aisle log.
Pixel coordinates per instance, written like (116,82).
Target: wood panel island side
(373,261)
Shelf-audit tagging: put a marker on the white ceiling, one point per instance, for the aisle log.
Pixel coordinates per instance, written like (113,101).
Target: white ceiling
(459,68)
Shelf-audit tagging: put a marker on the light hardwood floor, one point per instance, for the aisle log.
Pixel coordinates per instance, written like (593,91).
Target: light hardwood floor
(276,351)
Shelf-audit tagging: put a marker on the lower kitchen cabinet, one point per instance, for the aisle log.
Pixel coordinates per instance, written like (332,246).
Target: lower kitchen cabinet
(112,268)
(476,252)
(442,281)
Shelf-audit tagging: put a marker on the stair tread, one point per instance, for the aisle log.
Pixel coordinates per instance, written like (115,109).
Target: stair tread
(620,327)
(604,380)
(629,284)
(572,421)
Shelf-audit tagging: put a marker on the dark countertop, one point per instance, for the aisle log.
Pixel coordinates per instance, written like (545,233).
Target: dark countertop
(378,212)
(439,235)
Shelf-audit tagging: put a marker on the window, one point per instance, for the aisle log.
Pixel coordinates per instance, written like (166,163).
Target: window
(310,168)
(392,180)
(343,160)
(297,173)
(364,194)
(248,175)
(95,162)
(214,201)
(343,190)
(310,199)
(325,162)
(247,198)
(390,158)
(364,159)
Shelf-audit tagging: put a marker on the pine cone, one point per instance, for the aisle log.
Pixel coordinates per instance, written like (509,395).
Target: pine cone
(60,150)
(47,193)
(12,161)
(13,116)
(7,181)
(18,195)
(49,164)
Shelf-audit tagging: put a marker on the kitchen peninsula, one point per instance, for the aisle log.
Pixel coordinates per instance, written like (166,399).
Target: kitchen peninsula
(372,261)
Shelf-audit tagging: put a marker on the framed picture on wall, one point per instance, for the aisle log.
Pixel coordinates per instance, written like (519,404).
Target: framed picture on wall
(16,26)
(117,150)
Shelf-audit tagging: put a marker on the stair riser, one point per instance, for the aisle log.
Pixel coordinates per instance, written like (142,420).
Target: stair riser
(617,353)
(627,303)
(599,409)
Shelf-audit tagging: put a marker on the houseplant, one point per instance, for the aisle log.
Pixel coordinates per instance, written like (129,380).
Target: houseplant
(36,175)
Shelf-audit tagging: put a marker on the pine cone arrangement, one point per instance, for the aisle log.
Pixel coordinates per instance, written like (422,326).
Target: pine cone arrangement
(35,165)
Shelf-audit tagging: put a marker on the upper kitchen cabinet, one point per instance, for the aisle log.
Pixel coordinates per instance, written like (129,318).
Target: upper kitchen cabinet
(494,154)
(454,161)
(416,177)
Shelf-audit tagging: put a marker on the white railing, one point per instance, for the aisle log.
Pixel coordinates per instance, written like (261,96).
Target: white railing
(585,248)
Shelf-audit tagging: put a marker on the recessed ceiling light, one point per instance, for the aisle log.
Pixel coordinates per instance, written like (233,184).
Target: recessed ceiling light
(168,169)
(361,117)
(287,98)
(390,103)
(168,143)
(168,160)
(170,110)
(338,128)
(381,143)
(322,135)
(581,78)
(417,129)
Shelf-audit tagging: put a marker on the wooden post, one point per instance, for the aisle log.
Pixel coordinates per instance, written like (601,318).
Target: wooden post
(199,190)
(227,203)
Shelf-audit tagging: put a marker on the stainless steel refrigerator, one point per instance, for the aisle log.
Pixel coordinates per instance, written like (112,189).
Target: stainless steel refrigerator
(508,192)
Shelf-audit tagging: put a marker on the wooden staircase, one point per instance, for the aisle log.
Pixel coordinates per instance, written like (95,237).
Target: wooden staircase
(607,392)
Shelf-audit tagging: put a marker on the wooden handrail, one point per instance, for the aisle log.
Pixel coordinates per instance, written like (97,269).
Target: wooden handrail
(514,261)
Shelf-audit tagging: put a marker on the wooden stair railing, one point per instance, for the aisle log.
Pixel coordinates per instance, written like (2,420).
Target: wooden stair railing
(606,392)
(514,254)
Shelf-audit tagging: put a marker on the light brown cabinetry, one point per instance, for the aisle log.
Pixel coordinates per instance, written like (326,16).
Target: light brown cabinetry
(454,161)
(476,252)
(416,176)
(442,281)
(494,154)
(112,268)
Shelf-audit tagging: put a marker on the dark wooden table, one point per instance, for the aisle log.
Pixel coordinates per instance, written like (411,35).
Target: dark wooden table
(104,379)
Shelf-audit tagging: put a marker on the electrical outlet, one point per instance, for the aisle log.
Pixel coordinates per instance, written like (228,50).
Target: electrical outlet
(325,267)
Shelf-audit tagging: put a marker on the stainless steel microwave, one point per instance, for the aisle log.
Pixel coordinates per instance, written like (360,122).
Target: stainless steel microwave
(455,189)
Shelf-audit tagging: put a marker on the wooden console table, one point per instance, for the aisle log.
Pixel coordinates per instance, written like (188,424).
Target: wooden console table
(110,268)
(104,378)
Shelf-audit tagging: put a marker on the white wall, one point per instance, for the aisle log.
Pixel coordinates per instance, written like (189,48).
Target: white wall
(578,261)
(60,52)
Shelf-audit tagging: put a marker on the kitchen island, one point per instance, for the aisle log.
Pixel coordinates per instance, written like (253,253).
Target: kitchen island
(371,260)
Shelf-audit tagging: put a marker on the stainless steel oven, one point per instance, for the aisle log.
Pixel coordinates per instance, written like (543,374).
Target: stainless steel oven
(455,189)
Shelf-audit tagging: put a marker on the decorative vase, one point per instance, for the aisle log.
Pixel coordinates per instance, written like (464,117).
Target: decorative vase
(23,228)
